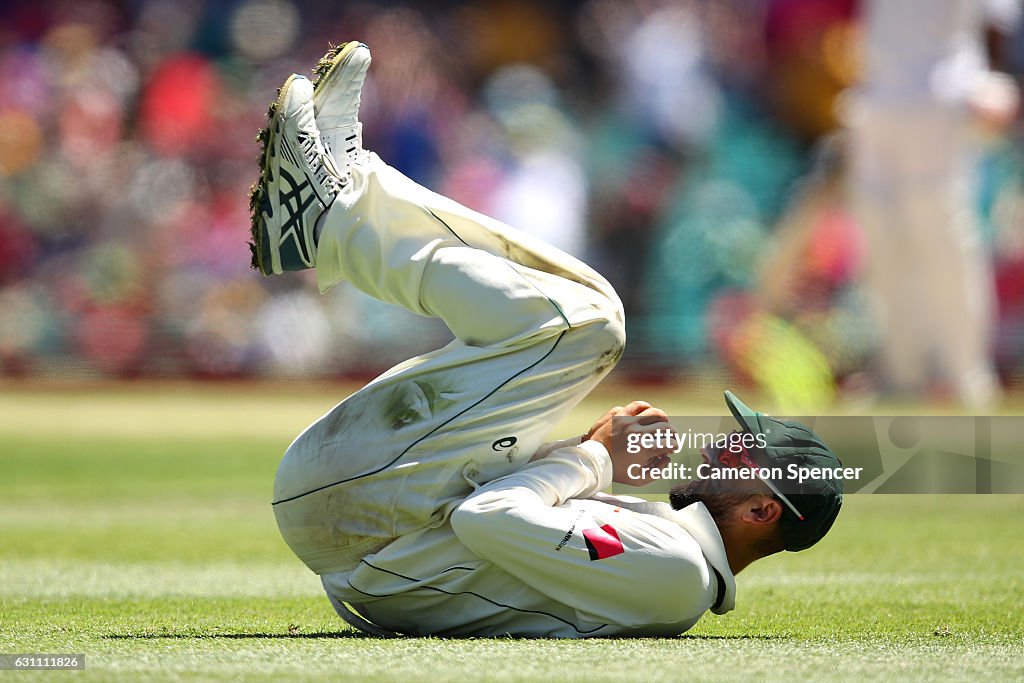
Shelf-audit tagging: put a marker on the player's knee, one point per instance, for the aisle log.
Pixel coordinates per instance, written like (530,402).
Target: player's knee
(606,333)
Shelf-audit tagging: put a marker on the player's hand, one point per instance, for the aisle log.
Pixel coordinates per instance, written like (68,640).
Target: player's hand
(613,435)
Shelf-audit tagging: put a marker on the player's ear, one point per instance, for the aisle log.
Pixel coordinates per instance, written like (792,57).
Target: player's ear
(762,509)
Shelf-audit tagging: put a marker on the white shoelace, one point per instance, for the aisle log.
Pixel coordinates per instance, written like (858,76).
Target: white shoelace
(316,159)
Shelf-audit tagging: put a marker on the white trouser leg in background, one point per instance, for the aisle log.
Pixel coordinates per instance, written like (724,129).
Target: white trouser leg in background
(535,331)
(912,186)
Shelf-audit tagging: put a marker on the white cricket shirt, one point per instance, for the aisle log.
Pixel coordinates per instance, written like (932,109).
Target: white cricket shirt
(541,553)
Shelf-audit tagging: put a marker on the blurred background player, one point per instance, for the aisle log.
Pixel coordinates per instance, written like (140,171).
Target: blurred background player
(914,182)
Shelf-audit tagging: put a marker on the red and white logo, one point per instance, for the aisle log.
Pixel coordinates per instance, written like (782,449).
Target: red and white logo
(603,542)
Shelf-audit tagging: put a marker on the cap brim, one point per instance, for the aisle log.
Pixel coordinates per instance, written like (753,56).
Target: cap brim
(743,414)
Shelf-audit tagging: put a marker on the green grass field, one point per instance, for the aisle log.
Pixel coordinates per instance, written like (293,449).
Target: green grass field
(136,528)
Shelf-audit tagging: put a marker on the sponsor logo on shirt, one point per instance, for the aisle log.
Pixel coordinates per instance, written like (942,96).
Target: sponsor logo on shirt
(603,542)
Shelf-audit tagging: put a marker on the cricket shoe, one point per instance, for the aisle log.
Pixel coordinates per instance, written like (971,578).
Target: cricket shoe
(299,180)
(337,85)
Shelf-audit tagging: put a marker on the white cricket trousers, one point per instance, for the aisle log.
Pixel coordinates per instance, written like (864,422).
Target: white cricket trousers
(535,330)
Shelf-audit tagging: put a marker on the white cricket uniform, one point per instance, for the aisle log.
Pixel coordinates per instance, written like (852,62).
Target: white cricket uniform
(416,498)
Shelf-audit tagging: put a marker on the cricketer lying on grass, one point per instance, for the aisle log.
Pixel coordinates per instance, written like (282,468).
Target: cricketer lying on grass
(428,501)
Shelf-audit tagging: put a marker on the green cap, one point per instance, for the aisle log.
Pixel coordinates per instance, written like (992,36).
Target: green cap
(817,500)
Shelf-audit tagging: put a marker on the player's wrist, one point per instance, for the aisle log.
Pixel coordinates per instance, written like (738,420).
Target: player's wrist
(600,463)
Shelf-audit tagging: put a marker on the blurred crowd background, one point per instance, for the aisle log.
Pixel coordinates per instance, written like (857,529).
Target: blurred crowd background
(697,152)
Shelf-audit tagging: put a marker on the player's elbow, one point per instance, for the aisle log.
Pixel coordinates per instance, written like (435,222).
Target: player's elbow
(479,519)
(476,516)
(687,593)
(464,519)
